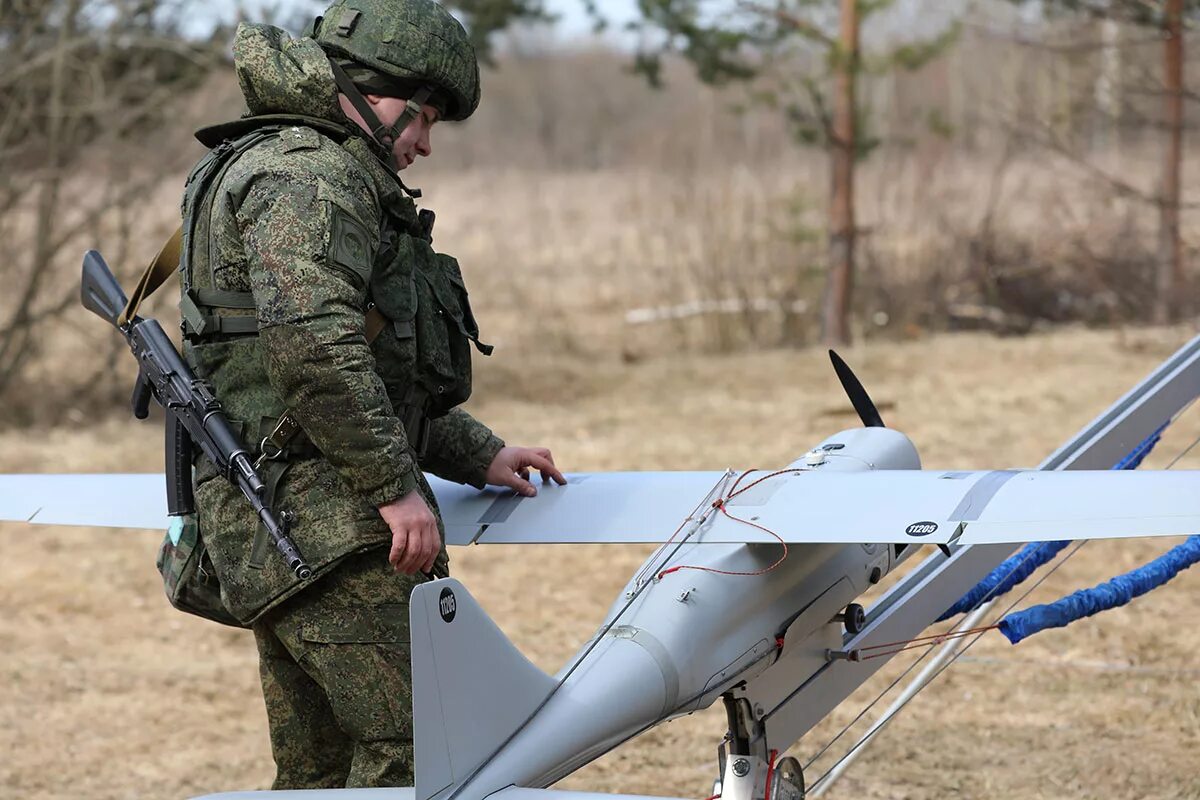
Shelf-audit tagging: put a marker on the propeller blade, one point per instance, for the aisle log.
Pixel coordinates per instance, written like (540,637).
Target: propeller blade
(859,398)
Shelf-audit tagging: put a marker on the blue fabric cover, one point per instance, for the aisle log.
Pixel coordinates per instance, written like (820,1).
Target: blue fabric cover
(1002,579)
(1116,592)
(1017,568)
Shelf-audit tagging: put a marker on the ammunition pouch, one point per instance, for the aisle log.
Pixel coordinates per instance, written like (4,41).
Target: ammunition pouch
(427,351)
(413,410)
(189,579)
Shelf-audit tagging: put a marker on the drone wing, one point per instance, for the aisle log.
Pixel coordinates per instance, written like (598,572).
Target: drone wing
(613,507)
(903,506)
(107,501)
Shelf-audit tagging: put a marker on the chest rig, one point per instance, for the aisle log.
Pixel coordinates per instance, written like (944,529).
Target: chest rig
(424,354)
(205,309)
(419,320)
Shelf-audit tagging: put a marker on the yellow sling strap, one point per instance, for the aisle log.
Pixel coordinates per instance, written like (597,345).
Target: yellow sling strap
(166,262)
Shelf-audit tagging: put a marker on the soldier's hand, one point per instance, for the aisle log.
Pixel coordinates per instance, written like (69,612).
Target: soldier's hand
(511,467)
(415,540)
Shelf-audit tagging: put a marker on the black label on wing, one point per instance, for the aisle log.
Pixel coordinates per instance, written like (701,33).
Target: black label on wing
(921,528)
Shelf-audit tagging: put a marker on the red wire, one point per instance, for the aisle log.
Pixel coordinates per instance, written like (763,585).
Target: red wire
(691,516)
(721,505)
(925,641)
(770,773)
(934,637)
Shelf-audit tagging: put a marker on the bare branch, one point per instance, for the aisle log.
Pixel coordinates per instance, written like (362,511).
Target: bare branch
(791,22)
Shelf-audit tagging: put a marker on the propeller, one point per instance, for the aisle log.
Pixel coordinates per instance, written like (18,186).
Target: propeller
(859,398)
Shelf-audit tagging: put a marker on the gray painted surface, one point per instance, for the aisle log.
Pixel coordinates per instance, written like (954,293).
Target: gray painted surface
(406,793)
(673,641)
(471,686)
(838,501)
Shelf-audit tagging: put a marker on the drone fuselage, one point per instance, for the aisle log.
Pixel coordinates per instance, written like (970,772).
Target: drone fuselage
(673,643)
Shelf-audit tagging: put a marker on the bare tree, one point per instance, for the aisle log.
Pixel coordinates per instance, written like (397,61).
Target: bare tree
(82,84)
(1167,300)
(795,52)
(835,311)
(1168,17)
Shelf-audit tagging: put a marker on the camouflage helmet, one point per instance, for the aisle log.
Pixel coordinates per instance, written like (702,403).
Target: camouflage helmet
(409,42)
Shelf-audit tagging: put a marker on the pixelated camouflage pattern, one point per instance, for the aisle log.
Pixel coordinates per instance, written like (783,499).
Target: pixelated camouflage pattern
(408,40)
(336,677)
(189,578)
(298,220)
(281,75)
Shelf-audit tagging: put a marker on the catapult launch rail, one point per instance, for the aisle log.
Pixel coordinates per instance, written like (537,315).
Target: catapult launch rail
(921,596)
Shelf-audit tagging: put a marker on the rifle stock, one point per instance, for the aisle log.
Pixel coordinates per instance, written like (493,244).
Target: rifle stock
(99,291)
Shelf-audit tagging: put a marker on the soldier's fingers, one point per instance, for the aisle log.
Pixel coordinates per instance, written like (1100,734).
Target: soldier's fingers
(396,554)
(524,473)
(434,546)
(519,484)
(546,467)
(414,553)
(421,551)
(429,548)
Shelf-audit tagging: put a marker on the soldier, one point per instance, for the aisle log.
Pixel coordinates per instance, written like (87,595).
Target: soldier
(311,292)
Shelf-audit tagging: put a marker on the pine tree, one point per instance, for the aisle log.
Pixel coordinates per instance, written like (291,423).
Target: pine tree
(741,40)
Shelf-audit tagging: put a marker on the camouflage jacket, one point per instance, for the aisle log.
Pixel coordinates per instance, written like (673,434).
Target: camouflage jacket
(307,221)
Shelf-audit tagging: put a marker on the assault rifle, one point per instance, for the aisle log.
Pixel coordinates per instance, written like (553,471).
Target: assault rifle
(194,415)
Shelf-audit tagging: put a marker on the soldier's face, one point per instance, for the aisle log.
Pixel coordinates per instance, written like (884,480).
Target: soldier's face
(414,140)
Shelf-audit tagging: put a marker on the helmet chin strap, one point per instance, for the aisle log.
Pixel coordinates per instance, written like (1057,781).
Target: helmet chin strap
(385,135)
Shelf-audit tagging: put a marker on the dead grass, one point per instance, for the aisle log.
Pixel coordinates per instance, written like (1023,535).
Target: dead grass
(105,692)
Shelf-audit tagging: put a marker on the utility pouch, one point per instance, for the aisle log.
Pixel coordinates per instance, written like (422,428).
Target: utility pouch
(445,330)
(188,576)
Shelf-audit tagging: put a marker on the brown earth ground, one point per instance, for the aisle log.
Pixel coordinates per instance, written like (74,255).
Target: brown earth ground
(105,692)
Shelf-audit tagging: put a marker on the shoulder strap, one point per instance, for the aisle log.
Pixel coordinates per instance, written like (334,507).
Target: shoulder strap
(166,262)
(213,135)
(155,274)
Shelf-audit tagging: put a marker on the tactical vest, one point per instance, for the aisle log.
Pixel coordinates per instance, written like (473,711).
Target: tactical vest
(422,355)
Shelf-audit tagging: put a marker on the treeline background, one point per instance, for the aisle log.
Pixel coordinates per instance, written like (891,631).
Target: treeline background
(1014,184)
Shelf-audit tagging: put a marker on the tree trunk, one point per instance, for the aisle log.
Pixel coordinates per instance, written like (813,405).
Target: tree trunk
(1169,283)
(835,311)
(1107,91)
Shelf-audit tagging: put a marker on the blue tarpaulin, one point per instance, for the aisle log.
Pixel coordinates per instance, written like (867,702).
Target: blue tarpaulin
(1017,568)
(1116,592)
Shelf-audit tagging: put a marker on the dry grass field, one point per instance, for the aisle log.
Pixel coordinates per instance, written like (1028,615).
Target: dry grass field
(105,692)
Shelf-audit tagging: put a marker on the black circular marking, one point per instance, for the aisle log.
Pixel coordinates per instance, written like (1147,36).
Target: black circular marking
(921,528)
(741,767)
(447,605)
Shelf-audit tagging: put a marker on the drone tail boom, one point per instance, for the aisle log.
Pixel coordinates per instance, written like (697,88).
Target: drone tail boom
(472,688)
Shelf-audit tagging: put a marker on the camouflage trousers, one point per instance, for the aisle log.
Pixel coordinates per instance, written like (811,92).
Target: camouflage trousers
(336,679)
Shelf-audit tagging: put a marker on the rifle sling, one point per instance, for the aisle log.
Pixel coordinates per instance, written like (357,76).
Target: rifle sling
(166,262)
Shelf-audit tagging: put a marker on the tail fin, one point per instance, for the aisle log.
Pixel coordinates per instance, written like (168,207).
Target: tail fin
(471,687)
